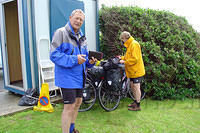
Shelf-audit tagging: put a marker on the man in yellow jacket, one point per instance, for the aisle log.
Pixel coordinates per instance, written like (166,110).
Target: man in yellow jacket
(134,67)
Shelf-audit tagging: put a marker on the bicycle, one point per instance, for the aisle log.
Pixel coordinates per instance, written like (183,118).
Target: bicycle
(97,84)
(109,99)
(94,81)
(91,88)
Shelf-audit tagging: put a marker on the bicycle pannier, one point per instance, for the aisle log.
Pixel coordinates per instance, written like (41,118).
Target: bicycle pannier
(96,73)
(111,63)
(114,79)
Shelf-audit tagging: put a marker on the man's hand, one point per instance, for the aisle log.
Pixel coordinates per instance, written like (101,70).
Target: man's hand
(81,58)
(122,61)
(93,60)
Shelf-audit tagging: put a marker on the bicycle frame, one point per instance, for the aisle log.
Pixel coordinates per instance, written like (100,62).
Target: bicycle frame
(109,99)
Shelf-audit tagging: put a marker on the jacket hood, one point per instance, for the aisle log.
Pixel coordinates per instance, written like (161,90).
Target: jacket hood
(128,42)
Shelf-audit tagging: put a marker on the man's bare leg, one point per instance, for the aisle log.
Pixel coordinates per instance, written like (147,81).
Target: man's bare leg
(76,108)
(135,88)
(67,113)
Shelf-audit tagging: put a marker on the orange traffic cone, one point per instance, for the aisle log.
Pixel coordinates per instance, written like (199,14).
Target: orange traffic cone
(44,100)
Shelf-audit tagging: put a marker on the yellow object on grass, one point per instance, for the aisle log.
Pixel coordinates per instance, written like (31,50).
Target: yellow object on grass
(44,100)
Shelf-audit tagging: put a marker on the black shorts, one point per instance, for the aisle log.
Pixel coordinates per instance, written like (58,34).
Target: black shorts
(136,80)
(70,95)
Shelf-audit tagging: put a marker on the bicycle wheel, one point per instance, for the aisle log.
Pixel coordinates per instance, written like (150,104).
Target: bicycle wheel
(108,99)
(89,97)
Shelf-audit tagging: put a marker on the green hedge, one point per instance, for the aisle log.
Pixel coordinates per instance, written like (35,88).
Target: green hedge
(169,44)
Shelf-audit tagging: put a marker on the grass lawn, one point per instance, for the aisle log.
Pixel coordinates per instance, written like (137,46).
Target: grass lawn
(167,116)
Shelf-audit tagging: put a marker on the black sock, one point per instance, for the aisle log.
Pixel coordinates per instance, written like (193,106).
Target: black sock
(135,101)
(138,104)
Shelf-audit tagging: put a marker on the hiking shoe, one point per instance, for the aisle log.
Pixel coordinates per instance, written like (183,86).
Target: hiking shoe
(75,131)
(135,109)
(132,105)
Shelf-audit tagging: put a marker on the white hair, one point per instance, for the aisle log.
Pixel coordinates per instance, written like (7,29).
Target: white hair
(77,10)
(125,34)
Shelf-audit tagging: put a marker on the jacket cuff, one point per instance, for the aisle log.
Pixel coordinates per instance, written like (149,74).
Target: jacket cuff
(75,59)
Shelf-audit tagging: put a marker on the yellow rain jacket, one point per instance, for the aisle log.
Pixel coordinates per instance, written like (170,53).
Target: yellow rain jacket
(134,65)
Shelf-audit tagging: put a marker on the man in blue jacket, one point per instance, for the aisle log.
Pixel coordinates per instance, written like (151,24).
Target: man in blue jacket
(70,56)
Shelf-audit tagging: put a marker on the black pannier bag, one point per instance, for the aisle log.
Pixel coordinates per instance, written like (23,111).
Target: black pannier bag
(112,63)
(95,73)
(114,79)
(113,74)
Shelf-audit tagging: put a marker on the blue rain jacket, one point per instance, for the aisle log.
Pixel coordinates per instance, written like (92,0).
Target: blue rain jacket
(65,47)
